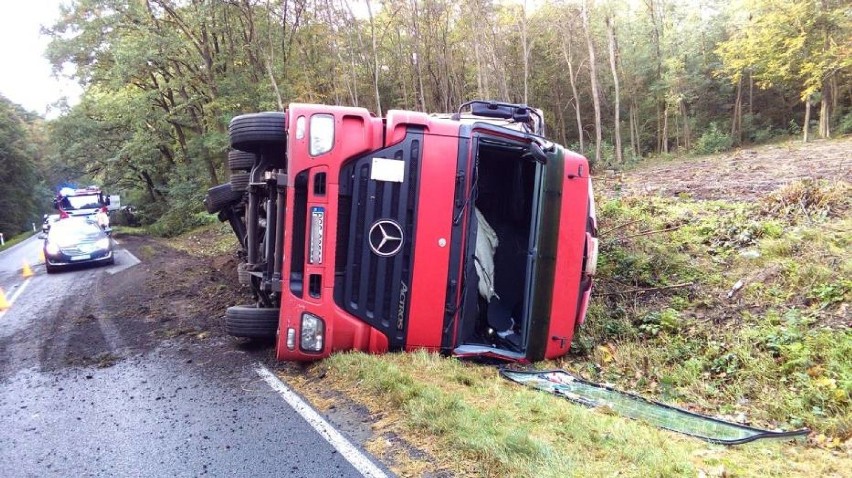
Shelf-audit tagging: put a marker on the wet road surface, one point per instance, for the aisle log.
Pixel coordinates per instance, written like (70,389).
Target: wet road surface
(176,408)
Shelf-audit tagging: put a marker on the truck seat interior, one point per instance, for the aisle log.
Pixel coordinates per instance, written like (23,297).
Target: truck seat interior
(504,197)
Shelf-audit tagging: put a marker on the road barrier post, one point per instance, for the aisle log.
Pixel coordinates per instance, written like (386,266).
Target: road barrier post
(2,241)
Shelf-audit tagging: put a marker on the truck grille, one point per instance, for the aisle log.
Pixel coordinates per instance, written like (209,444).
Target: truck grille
(372,283)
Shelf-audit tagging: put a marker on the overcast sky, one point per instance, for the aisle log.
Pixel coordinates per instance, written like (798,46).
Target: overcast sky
(25,74)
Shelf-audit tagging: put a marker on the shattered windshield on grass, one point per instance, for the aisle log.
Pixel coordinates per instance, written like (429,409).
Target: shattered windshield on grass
(561,383)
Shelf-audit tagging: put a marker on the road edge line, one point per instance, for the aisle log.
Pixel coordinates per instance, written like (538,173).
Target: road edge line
(346,449)
(15,296)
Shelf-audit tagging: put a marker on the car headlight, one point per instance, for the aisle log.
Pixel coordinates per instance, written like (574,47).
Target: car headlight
(51,248)
(322,134)
(102,243)
(313,332)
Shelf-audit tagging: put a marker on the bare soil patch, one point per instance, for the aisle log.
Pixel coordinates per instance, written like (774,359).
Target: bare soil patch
(170,294)
(745,174)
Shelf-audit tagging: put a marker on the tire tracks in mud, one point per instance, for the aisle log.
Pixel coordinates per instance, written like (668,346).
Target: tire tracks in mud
(67,320)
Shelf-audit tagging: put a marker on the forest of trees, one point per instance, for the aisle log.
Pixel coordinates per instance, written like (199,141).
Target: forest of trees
(617,79)
(23,191)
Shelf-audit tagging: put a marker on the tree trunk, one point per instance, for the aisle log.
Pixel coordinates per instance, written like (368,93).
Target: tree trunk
(566,51)
(417,57)
(806,126)
(477,55)
(687,141)
(613,51)
(634,131)
(737,119)
(594,80)
(750,94)
(657,26)
(375,60)
(526,52)
(825,112)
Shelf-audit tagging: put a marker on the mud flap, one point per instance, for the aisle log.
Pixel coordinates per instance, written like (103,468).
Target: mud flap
(713,430)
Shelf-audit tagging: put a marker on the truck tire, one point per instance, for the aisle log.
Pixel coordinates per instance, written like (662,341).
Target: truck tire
(240,181)
(220,196)
(241,160)
(251,322)
(256,131)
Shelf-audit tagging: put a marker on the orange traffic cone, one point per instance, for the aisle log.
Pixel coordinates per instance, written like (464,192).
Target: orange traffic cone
(4,304)
(41,255)
(27,271)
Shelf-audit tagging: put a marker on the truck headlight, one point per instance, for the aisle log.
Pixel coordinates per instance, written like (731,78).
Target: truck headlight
(313,332)
(322,134)
(51,248)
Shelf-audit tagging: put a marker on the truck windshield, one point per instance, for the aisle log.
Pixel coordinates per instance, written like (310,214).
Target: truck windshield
(80,202)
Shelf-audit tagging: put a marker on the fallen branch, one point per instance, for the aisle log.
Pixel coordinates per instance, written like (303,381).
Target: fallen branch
(615,228)
(650,289)
(648,233)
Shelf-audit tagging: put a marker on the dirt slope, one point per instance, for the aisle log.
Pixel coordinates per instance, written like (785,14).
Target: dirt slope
(746,174)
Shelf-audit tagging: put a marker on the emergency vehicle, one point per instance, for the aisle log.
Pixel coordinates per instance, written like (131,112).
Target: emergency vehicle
(84,202)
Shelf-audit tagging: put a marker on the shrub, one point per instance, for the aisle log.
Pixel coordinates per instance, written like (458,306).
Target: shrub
(845,125)
(713,141)
(184,210)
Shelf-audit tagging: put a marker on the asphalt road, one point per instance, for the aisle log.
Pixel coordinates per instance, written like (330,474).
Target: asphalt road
(174,409)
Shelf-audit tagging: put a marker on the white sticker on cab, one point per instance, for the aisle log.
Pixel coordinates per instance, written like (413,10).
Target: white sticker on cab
(384,169)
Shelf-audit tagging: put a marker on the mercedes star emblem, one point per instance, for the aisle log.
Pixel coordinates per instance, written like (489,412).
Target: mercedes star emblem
(386,238)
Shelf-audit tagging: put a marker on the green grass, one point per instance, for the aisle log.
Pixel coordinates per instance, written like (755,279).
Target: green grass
(9,242)
(667,322)
(775,351)
(477,424)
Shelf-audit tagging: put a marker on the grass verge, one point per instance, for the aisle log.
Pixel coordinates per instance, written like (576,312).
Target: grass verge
(474,423)
(734,309)
(729,308)
(9,242)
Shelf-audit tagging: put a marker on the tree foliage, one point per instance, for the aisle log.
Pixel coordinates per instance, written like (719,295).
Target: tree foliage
(163,77)
(19,178)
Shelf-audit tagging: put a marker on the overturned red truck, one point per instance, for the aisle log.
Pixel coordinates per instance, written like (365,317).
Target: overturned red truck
(466,233)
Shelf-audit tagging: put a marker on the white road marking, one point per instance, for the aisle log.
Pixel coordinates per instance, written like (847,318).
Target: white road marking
(15,295)
(343,446)
(121,265)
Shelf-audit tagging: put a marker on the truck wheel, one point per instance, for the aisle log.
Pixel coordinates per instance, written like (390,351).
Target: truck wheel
(241,160)
(257,131)
(240,181)
(252,322)
(220,196)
